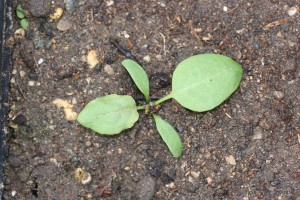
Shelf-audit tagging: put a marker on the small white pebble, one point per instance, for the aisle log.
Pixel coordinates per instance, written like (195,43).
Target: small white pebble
(13,80)
(22,73)
(13,193)
(278,95)
(230,160)
(171,185)
(41,60)
(225,8)
(209,180)
(86,178)
(147,58)
(195,175)
(162,4)
(127,168)
(110,3)
(292,11)
(14,71)
(158,57)
(31,83)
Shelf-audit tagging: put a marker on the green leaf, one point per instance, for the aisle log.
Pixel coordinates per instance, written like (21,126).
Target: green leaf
(109,114)
(169,136)
(138,75)
(25,24)
(202,82)
(20,12)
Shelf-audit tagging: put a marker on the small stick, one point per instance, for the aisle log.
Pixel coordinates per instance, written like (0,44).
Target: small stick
(123,51)
(20,90)
(164,40)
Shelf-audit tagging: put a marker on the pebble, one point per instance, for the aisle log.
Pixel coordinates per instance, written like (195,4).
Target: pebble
(147,58)
(13,193)
(22,73)
(290,65)
(19,34)
(278,95)
(108,69)
(146,188)
(40,61)
(257,134)
(230,160)
(195,175)
(38,43)
(70,5)
(63,25)
(110,3)
(20,120)
(292,11)
(265,124)
(88,143)
(57,14)
(179,128)
(13,80)
(31,83)
(39,8)
(86,178)
(15,162)
(92,58)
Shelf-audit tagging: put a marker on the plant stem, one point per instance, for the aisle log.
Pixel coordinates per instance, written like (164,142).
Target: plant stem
(169,96)
(140,107)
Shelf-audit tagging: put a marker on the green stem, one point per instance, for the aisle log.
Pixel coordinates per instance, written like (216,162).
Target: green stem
(169,96)
(140,107)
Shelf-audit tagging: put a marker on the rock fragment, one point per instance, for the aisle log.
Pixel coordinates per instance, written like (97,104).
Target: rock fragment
(39,8)
(146,188)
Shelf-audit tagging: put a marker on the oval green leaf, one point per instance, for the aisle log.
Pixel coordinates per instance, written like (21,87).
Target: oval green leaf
(20,12)
(169,136)
(109,114)
(24,24)
(202,82)
(138,75)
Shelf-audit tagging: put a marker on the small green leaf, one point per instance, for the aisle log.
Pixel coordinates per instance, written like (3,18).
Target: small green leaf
(169,136)
(25,24)
(138,75)
(20,12)
(202,82)
(109,114)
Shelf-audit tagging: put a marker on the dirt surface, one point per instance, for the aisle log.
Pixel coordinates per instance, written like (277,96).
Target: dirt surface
(247,148)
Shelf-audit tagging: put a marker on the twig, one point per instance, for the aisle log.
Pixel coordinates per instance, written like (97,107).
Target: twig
(20,90)
(123,51)
(164,41)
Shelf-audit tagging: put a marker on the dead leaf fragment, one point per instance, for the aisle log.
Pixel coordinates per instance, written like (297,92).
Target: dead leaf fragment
(70,115)
(92,58)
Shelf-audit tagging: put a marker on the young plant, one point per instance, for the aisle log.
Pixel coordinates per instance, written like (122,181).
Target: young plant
(200,83)
(21,16)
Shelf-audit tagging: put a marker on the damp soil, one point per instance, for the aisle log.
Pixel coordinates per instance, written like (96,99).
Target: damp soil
(247,148)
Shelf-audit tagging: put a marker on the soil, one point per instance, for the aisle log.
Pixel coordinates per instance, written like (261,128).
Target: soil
(247,148)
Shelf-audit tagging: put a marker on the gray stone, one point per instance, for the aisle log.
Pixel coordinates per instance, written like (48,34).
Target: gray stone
(290,65)
(38,43)
(15,161)
(39,8)
(63,25)
(146,188)
(70,5)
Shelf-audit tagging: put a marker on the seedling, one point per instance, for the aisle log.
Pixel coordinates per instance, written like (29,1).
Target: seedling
(200,83)
(21,16)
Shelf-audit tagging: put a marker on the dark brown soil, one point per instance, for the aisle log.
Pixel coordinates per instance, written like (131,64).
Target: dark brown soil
(247,148)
